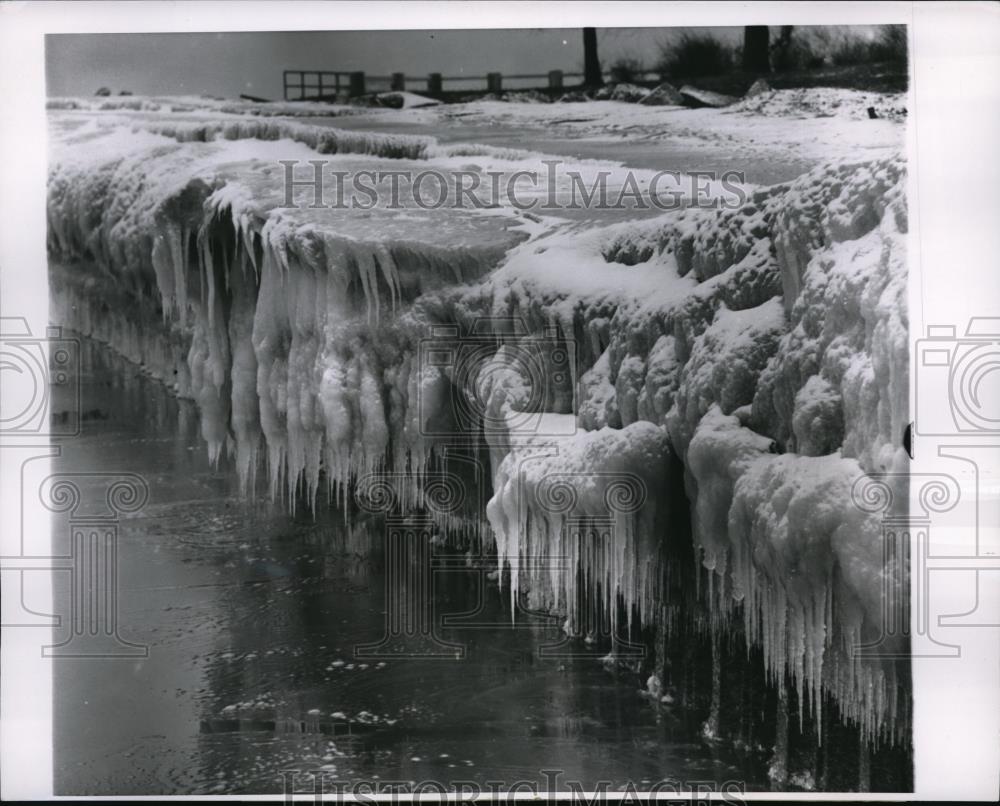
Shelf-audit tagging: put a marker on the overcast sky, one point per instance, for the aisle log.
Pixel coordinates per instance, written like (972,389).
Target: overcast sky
(232,63)
(229,64)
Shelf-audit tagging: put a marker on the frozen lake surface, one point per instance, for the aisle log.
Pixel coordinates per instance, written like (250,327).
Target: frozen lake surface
(660,154)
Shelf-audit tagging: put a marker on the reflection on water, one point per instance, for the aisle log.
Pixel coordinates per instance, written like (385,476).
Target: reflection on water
(252,618)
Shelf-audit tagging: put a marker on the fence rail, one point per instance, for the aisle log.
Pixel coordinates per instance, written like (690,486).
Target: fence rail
(312,85)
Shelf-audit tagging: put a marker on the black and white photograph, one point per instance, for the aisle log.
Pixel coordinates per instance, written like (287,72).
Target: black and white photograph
(488,401)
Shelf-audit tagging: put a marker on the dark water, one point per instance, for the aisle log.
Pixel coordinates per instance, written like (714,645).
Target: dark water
(252,617)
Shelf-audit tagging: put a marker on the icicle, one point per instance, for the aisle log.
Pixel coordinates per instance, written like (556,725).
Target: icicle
(531,523)
(368,274)
(163,267)
(244,407)
(712,725)
(390,272)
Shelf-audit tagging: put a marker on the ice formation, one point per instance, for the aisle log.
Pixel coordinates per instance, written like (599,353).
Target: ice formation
(761,349)
(780,377)
(319,138)
(199,104)
(266,315)
(586,507)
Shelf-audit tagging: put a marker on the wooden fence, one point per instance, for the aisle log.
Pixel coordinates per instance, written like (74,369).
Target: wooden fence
(328,85)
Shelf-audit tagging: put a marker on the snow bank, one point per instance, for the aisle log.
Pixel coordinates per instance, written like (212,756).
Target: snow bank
(824,102)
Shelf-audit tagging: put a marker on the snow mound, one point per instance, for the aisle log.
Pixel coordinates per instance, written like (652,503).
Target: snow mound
(664,95)
(841,244)
(725,363)
(699,97)
(822,102)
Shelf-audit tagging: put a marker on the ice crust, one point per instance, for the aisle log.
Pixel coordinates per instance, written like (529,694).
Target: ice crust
(765,348)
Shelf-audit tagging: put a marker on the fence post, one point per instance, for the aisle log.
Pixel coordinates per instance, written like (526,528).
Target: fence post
(398,82)
(493,82)
(434,84)
(555,79)
(357,84)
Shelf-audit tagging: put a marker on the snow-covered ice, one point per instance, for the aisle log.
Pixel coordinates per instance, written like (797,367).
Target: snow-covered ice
(756,356)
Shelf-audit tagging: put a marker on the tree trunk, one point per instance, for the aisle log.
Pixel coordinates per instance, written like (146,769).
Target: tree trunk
(591,66)
(755,49)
